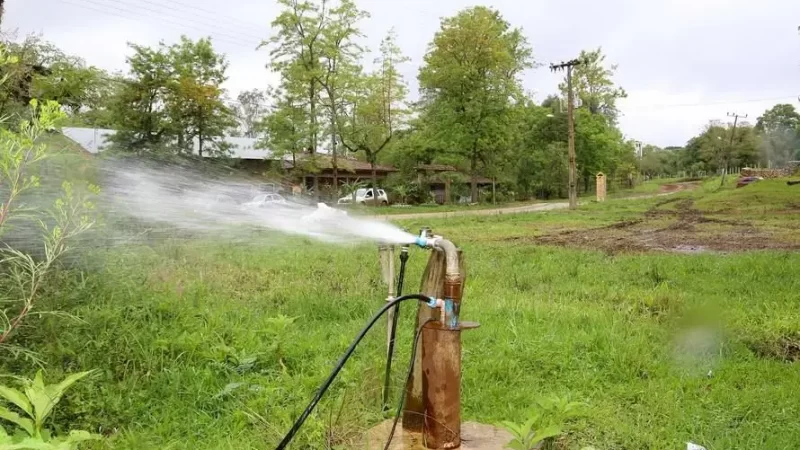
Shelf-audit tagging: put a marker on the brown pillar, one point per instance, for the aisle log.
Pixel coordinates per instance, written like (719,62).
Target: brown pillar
(447,191)
(441,363)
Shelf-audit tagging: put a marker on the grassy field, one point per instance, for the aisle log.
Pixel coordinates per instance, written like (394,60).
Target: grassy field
(214,345)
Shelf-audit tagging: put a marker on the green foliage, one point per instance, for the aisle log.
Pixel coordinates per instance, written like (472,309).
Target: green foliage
(172,100)
(249,110)
(37,69)
(401,191)
(377,108)
(350,188)
(20,152)
(468,80)
(285,128)
(721,147)
(773,142)
(593,85)
(21,274)
(545,423)
(37,401)
(296,51)
(780,117)
(779,127)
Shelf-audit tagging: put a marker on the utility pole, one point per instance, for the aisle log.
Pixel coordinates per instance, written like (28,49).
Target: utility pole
(573,191)
(730,145)
(637,145)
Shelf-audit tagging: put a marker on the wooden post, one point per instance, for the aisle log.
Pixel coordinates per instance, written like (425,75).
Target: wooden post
(447,191)
(432,285)
(601,187)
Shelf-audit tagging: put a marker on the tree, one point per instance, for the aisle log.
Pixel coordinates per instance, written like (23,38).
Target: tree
(468,83)
(376,107)
(593,84)
(73,85)
(296,54)
(249,110)
(778,118)
(172,100)
(720,148)
(285,128)
(340,68)
(779,147)
(41,70)
(139,110)
(600,145)
(194,98)
(653,161)
(780,131)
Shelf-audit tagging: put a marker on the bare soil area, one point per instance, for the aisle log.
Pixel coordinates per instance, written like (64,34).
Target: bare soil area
(672,225)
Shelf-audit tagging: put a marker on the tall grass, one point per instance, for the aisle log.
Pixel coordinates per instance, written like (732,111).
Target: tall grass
(210,345)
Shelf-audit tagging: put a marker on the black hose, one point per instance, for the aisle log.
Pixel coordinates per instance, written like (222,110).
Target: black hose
(299,422)
(401,403)
(390,352)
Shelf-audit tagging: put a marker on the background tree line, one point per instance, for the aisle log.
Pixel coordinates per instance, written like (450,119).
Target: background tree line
(336,98)
(773,141)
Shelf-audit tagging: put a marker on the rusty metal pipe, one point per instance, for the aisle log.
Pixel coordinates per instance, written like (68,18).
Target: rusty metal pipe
(441,372)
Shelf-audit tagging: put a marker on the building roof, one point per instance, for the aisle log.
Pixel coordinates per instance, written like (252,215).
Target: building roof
(437,167)
(92,140)
(342,163)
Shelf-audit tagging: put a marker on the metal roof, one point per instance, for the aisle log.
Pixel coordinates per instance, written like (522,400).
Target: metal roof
(95,140)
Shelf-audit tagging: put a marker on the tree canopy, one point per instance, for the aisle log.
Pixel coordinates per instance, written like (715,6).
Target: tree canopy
(469,84)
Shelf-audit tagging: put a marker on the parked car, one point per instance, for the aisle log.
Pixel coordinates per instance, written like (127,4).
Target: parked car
(364,197)
(264,200)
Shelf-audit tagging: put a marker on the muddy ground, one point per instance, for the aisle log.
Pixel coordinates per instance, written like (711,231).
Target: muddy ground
(675,225)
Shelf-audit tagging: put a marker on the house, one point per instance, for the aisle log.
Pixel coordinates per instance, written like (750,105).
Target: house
(348,170)
(440,178)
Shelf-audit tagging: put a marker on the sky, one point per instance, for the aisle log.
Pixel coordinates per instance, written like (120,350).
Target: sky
(682,62)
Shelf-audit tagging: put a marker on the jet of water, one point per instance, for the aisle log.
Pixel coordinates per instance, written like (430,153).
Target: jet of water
(196,201)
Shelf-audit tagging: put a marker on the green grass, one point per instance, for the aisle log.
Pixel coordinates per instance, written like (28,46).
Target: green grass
(191,350)
(415,209)
(648,187)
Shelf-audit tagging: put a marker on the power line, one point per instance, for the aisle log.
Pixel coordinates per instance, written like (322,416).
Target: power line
(181,21)
(727,102)
(218,15)
(115,11)
(213,23)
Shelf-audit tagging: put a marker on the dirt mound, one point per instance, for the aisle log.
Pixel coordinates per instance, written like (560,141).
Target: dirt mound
(675,187)
(679,229)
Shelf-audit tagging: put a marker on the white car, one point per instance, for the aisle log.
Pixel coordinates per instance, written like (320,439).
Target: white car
(263,200)
(364,197)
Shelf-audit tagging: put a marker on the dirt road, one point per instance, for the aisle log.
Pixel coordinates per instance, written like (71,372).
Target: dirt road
(667,189)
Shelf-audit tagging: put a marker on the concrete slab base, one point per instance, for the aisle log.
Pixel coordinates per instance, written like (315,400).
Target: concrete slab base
(474,436)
